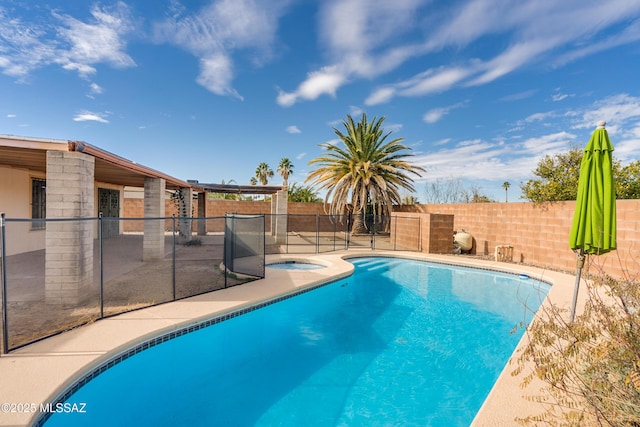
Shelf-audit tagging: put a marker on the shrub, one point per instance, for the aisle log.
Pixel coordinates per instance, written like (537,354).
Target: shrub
(590,368)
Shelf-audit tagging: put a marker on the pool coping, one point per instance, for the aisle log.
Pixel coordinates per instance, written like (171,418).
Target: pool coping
(38,373)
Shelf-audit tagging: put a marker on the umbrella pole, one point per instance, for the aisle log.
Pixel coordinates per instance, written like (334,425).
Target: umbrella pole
(576,287)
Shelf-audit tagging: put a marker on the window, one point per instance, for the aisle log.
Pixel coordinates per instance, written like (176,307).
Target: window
(38,203)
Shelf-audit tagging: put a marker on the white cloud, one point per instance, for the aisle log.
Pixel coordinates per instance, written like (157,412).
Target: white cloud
(293,129)
(380,96)
(101,41)
(547,144)
(88,116)
(539,117)
(25,46)
(355,111)
(359,41)
(435,114)
(301,156)
(218,31)
(323,82)
(74,45)
(11,116)
(216,74)
(425,83)
(615,110)
(519,96)
(95,89)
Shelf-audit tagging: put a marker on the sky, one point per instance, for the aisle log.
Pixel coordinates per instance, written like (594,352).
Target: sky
(479,90)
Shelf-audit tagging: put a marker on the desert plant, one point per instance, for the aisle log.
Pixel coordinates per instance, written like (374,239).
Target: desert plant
(590,368)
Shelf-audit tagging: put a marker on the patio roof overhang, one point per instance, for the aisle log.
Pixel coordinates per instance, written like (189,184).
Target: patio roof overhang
(31,154)
(235,189)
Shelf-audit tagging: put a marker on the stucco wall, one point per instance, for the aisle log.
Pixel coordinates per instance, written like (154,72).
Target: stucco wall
(15,202)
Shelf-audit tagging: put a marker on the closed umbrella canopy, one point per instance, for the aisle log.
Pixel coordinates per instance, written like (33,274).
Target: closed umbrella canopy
(593,230)
(594,221)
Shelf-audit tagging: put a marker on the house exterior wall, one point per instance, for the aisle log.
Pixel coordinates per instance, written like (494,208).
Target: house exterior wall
(15,202)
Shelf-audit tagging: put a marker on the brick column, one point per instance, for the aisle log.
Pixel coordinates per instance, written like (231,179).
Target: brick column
(437,234)
(69,244)
(153,239)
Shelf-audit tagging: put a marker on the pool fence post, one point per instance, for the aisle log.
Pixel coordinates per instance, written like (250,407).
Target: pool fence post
(335,225)
(348,232)
(173,266)
(3,268)
(101,255)
(317,233)
(395,231)
(373,233)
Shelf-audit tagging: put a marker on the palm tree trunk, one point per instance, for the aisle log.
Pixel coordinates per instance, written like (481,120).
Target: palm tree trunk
(359,226)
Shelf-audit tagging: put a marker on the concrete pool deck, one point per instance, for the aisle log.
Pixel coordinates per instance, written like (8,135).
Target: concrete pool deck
(36,374)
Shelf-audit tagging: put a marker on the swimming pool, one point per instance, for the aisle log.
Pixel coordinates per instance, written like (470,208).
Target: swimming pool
(401,342)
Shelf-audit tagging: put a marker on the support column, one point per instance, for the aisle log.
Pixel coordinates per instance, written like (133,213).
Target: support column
(281,205)
(202,213)
(69,244)
(153,239)
(274,211)
(185,213)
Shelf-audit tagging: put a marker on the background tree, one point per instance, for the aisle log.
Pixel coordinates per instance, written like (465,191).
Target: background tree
(226,196)
(285,168)
(478,197)
(628,181)
(368,172)
(410,199)
(253,181)
(557,178)
(302,193)
(506,186)
(263,173)
(452,190)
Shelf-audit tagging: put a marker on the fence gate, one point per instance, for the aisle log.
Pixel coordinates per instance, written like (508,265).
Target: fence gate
(244,245)
(109,205)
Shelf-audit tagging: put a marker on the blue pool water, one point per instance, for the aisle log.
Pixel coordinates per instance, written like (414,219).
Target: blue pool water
(398,343)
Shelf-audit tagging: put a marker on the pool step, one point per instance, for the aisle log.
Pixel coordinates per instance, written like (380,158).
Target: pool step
(377,264)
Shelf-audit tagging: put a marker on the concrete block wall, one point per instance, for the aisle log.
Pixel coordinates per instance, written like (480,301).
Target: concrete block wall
(426,232)
(539,234)
(406,231)
(154,207)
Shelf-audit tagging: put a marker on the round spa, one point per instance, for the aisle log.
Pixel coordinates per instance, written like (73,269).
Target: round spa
(294,265)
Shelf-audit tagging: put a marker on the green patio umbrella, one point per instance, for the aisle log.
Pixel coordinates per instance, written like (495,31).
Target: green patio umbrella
(593,231)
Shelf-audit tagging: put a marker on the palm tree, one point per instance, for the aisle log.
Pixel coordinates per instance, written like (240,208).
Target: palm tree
(263,173)
(285,168)
(302,193)
(506,186)
(367,173)
(253,181)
